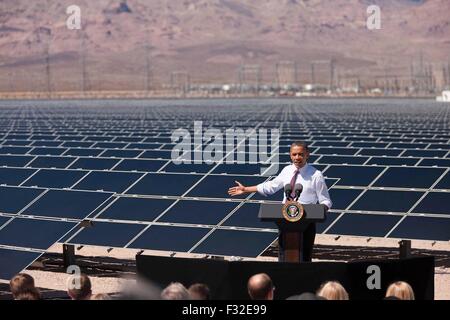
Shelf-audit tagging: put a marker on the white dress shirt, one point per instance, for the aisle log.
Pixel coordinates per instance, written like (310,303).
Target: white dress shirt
(314,187)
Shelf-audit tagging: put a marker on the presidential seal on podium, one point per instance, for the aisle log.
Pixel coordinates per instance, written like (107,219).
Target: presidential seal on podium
(292,211)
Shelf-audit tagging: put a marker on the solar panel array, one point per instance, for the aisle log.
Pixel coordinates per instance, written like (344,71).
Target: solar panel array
(386,164)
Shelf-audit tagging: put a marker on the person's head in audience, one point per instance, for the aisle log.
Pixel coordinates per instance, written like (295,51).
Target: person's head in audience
(22,283)
(306,296)
(101,296)
(175,291)
(332,290)
(138,288)
(260,287)
(79,287)
(32,294)
(199,291)
(401,290)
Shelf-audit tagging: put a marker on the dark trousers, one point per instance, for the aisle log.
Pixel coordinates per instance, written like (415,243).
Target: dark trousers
(309,236)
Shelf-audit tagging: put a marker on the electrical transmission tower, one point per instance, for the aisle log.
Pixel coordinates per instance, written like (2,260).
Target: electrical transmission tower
(180,80)
(286,73)
(249,78)
(331,65)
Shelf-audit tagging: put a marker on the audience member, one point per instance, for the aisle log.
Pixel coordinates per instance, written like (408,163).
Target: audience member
(175,291)
(139,289)
(401,290)
(260,287)
(199,291)
(22,285)
(306,296)
(79,287)
(101,296)
(32,294)
(332,290)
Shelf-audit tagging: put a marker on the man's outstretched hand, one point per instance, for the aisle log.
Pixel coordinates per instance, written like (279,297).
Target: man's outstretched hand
(238,190)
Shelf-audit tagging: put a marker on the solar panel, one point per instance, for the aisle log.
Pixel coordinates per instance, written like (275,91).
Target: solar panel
(353,175)
(107,234)
(424,153)
(98,138)
(209,187)
(240,169)
(17,143)
(127,139)
(409,177)
(410,146)
(186,168)
(32,233)
(247,216)
(140,165)
(433,203)
(14,176)
(169,238)
(236,243)
(339,151)
(156,154)
(444,145)
(444,183)
(73,138)
(94,164)
(3,220)
(330,217)
(42,137)
(364,139)
(286,159)
(164,184)
(388,161)
(121,153)
(67,204)
(198,212)
(372,225)
(80,152)
(108,181)
(331,144)
(12,261)
(342,160)
(435,162)
(72,144)
(342,198)
(47,178)
(14,161)
(47,151)
(380,152)
(51,162)
(369,144)
(17,136)
(387,201)
(46,144)
(371,153)
(138,209)
(426,228)
(110,145)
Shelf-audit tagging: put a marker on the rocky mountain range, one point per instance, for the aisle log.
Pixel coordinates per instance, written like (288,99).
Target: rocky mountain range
(209,40)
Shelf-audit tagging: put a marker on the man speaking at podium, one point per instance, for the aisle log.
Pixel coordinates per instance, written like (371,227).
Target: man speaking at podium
(314,190)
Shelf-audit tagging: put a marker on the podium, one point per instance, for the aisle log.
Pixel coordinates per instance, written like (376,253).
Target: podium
(291,232)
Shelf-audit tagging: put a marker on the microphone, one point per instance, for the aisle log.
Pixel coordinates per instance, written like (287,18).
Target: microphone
(298,188)
(288,191)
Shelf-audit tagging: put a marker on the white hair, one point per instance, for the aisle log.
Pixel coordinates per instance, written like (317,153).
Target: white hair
(175,291)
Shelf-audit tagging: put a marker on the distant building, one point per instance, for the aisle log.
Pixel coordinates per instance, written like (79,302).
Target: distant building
(309,87)
(445,97)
